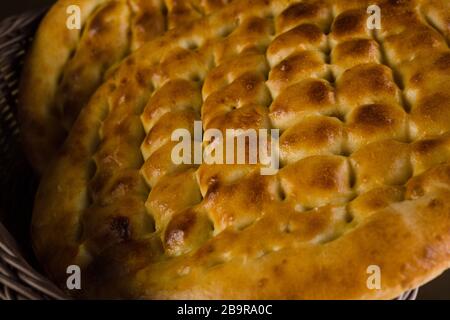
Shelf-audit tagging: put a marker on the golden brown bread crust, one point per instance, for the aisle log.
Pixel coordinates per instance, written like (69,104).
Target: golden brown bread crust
(65,67)
(365,177)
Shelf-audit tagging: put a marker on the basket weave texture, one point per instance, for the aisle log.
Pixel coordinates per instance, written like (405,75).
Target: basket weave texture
(18,279)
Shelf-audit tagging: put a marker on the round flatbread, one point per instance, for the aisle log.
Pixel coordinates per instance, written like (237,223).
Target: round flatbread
(363,187)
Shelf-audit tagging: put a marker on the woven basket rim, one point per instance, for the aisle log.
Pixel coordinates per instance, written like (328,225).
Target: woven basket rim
(18,279)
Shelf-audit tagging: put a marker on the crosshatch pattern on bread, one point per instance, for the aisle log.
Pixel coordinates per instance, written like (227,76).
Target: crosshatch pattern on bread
(66,66)
(364,179)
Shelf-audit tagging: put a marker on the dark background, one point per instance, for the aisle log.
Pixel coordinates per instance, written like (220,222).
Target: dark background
(437,289)
(10,7)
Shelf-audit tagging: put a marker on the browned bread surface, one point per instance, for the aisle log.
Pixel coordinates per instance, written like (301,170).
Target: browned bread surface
(65,67)
(365,148)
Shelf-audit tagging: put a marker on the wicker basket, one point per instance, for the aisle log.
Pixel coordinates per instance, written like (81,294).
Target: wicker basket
(18,279)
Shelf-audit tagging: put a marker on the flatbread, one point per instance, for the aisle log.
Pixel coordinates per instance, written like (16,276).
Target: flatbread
(364,182)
